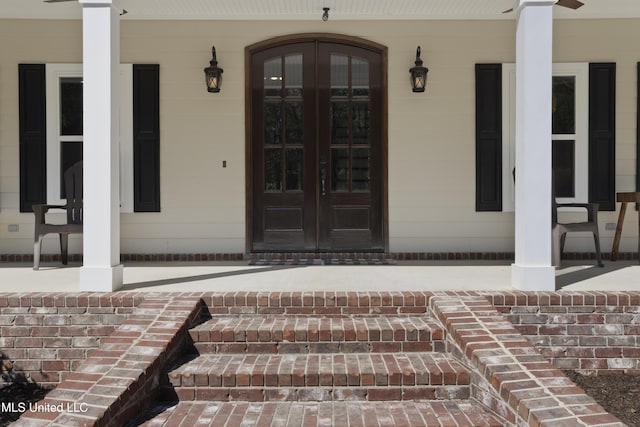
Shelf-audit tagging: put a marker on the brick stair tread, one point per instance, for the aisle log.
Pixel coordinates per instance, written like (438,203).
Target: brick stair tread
(317,329)
(308,370)
(308,414)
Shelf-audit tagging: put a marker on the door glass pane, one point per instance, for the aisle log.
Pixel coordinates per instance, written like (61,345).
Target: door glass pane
(295,123)
(564,167)
(564,105)
(294,169)
(339,75)
(360,72)
(273,169)
(71,106)
(272,123)
(340,169)
(339,122)
(293,75)
(70,153)
(360,122)
(273,77)
(360,169)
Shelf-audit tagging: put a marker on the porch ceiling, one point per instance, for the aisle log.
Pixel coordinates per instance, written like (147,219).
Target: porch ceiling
(312,9)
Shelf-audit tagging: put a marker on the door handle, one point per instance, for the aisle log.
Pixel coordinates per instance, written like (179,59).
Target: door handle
(323,175)
(323,180)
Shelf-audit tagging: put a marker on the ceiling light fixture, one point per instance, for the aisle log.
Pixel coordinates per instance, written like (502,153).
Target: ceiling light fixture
(325,15)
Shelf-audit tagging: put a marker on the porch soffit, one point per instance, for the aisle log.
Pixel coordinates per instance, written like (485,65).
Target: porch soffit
(312,9)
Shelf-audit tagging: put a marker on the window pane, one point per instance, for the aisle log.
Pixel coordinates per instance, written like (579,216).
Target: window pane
(339,75)
(360,169)
(564,105)
(360,122)
(273,77)
(339,122)
(340,169)
(293,75)
(70,153)
(71,106)
(294,169)
(295,123)
(273,169)
(272,123)
(564,167)
(360,71)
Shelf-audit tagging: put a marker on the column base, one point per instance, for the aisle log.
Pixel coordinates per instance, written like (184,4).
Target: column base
(101,279)
(533,278)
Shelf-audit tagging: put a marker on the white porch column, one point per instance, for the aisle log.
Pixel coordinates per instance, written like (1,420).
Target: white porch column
(101,270)
(532,270)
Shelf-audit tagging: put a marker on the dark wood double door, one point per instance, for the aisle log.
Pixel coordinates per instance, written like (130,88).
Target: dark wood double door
(316,148)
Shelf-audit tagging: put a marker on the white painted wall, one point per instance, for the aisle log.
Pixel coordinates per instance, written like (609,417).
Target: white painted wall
(431,135)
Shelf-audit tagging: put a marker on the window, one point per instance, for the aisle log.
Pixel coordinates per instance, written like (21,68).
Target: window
(570,142)
(65,133)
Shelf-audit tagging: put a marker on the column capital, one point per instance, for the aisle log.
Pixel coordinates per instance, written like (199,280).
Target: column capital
(520,4)
(111,3)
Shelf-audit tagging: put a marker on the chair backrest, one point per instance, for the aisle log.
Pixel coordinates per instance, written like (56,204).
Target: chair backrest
(73,188)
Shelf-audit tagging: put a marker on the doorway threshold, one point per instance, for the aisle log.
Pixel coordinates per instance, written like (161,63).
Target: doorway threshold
(320,258)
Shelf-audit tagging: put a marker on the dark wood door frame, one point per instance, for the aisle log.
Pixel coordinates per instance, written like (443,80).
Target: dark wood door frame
(318,38)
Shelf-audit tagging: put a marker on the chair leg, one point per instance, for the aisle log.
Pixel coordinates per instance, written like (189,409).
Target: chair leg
(37,246)
(64,248)
(596,239)
(563,239)
(556,251)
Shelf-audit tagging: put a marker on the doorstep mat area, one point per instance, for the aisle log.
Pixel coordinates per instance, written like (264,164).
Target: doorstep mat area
(327,261)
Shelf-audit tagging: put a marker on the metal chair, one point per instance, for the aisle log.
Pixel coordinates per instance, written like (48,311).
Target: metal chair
(73,188)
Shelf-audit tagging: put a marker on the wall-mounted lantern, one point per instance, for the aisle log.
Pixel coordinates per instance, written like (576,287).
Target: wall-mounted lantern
(213,73)
(418,74)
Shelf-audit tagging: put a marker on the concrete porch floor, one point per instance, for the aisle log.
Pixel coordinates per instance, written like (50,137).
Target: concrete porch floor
(239,276)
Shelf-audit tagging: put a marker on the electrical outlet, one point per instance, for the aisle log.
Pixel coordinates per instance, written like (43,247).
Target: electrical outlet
(13,228)
(610,226)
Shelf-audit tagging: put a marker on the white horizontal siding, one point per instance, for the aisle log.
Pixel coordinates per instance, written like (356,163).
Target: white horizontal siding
(431,135)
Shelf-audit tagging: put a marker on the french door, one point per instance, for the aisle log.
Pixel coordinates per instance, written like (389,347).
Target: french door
(317,174)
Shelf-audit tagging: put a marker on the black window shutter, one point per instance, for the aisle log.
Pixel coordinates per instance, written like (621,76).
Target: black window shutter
(602,134)
(488,137)
(33,135)
(146,137)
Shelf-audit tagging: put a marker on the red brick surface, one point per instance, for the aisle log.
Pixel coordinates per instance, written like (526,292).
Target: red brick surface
(532,395)
(112,389)
(365,414)
(595,331)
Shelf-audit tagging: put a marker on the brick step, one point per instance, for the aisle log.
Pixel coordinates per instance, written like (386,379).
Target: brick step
(310,414)
(318,377)
(302,334)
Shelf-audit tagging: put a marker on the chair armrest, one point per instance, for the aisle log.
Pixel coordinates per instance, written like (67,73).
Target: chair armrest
(40,210)
(592,209)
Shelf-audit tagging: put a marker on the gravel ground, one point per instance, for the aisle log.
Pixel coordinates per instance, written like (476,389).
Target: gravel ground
(617,393)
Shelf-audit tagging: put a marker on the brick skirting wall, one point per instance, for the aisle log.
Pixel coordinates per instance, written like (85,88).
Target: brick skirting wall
(591,332)
(48,335)
(399,256)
